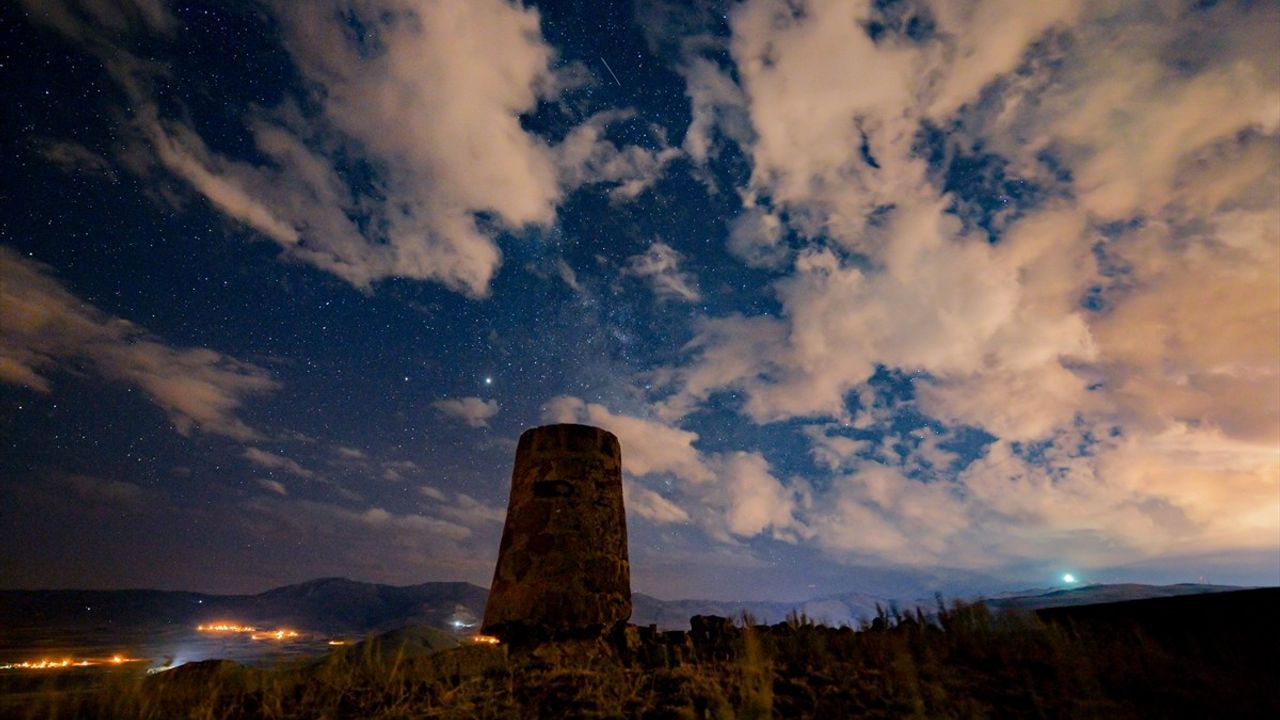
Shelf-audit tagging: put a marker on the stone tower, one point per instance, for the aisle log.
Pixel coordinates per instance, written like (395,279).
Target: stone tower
(562,566)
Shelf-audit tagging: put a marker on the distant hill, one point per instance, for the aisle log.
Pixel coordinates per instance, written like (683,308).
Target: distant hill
(338,605)
(1098,594)
(842,609)
(854,608)
(1198,655)
(675,614)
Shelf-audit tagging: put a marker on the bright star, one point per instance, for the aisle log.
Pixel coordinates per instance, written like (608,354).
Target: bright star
(488,381)
(1068,578)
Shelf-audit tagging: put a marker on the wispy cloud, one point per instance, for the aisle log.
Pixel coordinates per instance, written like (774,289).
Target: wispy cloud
(350,453)
(471,512)
(274,461)
(473,411)
(660,267)
(274,486)
(72,157)
(397,470)
(118,495)
(370,541)
(586,157)
(44,327)
(430,100)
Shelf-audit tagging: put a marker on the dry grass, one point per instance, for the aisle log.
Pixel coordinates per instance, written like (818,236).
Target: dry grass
(963,662)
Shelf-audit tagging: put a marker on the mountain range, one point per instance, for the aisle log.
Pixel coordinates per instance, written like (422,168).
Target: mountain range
(341,606)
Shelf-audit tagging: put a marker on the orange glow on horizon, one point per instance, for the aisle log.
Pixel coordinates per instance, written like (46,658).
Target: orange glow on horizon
(66,663)
(253,632)
(225,627)
(274,635)
(485,639)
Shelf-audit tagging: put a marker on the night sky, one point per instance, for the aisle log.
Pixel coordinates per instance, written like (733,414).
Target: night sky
(893,297)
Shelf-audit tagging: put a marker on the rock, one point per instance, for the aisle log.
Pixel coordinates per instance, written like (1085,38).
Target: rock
(712,636)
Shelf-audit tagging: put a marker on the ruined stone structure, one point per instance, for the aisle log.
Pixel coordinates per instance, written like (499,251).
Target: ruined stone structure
(562,567)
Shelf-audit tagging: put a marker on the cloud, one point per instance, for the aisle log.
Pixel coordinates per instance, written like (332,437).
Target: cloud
(754,500)
(1121,501)
(925,293)
(1114,328)
(375,519)
(274,486)
(396,470)
(814,121)
(833,450)
(116,494)
(565,272)
(370,541)
(1188,81)
(43,326)
(717,107)
(72,157)
(234,188)
(940,304)
(730,351)
(876,513)
(982,41)
(1196,345)
(272,461)
(1118,319)
(434,95)
(586,157)
(432,492)
(473,411)
(471,512)
(651,446)
(90,20)
(426,96)
(728,495)
(651,506)
(1187,176)
(689,35)
(660,266)
(755,238)
(833,146)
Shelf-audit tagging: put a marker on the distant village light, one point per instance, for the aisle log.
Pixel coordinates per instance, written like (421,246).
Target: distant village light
(224,627)
(275,635)
(67,663)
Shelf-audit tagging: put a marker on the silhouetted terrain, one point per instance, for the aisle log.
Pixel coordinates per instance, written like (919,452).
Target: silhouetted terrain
(853,608)
(338,606)
(1193,656)
(160,626)
(1095,594)
(1240,627)
(334,604)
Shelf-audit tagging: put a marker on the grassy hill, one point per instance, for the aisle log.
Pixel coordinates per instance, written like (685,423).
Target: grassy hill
(1208,655)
